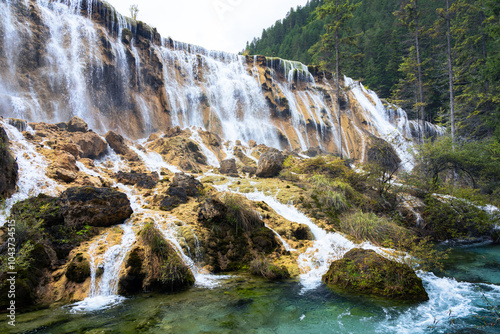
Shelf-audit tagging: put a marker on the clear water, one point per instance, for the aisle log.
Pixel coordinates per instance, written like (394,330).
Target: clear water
(246,304)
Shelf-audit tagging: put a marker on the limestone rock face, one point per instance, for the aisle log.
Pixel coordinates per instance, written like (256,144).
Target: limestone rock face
(228,167)
(101,207)
(117,143)
(76,124)
(270,163)
(8,167)
(365,272)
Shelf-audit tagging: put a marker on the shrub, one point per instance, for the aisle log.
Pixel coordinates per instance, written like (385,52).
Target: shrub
(368,226)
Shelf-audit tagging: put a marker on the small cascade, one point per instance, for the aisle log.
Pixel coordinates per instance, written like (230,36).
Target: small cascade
(154,161)
(169,230)
(103,293)
(32,165)
(212,159)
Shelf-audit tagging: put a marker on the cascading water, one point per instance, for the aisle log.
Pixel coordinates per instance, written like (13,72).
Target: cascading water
(99,65)
(32,165)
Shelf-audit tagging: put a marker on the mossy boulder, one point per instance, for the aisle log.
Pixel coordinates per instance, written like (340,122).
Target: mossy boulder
(365,272)
(8,167)
(154,265)
(79,269)
(235,233)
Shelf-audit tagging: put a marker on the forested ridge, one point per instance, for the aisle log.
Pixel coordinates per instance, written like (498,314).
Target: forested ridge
(377,46)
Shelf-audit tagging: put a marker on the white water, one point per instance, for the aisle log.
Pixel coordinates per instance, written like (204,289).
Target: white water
(169,230)
(103,293)
(398,135)
(448,300)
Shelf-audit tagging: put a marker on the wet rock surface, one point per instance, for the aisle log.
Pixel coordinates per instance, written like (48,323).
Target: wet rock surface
(8,167)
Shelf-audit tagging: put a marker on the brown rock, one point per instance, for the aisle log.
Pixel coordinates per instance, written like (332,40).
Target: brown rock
(90,143)
(101,207)
(76,124)
(252,143)
(270,163)
(117,143)
(228,167)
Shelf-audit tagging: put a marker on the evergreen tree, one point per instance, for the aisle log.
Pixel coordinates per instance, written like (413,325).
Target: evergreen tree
(337,35)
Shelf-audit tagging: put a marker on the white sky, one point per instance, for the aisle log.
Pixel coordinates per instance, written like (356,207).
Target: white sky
(223,25)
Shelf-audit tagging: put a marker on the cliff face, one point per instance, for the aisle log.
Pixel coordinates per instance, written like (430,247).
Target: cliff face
(82,58)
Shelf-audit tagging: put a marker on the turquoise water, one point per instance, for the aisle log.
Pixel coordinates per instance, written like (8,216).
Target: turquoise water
(244,304)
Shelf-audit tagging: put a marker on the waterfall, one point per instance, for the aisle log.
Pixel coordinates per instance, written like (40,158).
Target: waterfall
(90,66)
(32,176)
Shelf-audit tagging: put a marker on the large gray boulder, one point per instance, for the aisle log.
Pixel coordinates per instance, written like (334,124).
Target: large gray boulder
(270,163)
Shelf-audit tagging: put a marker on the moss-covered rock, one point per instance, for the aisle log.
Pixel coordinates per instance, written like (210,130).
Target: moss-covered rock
(236,233)
(365,272)
(154,265)
(79,269)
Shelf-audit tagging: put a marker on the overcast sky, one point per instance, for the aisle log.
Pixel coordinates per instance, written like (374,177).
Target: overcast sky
(224,25)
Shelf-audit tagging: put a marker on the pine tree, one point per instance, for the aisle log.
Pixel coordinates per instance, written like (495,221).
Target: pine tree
(336,36)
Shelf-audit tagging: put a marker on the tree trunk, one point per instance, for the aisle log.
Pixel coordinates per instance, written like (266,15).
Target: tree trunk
(450,71)
(337,60)
(419,67)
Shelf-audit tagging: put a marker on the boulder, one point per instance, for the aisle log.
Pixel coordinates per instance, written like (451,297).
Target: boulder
(182,187)
(76,124)
(117,143)
(19,124)
(8,167)
(252,143)
(90,143)
(100,207)
(365,272)
(191,185)
(270,163)
(141,180)
(228,167)
(249,170)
